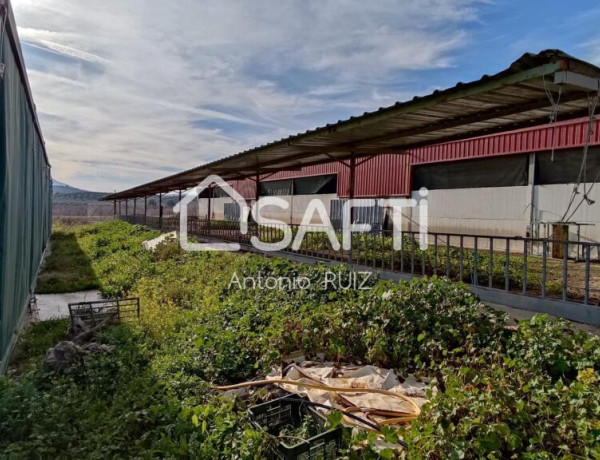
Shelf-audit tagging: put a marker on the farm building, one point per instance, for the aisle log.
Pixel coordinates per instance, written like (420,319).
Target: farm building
(515,184)
(503,186)
(25,186)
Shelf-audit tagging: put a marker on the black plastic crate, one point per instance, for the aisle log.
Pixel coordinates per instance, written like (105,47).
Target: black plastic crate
(273,415)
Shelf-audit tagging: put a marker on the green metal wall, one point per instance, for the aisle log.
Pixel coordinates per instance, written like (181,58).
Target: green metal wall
(25,191)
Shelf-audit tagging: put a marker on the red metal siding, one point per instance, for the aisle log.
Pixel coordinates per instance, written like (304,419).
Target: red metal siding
(390,175)
(313,170)
(566,135)
(245,187)
(382,175)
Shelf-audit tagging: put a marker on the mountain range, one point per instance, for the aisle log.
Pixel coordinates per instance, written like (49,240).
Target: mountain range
(62,192)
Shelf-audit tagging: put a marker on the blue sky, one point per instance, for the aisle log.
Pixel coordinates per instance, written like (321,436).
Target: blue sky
(131,90)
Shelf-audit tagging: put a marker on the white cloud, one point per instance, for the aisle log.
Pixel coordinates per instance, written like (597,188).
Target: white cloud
(129,90)
(592,51)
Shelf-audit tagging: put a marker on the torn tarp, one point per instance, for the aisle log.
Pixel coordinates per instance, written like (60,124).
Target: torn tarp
(397,402)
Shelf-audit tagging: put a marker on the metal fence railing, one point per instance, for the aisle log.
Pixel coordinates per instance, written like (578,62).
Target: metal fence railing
(95,312)
(546,268)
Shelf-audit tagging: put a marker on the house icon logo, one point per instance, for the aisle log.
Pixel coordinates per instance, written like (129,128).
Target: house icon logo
(181,208)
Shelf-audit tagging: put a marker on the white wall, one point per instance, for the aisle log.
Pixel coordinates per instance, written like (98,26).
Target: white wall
(506,211)
(500,211)
(552,202)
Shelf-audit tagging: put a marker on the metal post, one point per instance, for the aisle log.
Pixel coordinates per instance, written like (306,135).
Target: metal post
(145,209)
(257,187)
(209,204)
(435,254)
(532,204)
(448,256)
(126,207)
(475,279)
(115,208)
(134,207)
(256,190)
(565,275)
(587,249)
(402,255)
(188,218)
(412,253)
(507,266)
(524,266)
(491,263)
(351,196)
(460,259)
(160,212)
(292,203)
(544,263)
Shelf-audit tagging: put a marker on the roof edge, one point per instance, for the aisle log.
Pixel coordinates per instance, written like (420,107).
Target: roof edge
(15,43)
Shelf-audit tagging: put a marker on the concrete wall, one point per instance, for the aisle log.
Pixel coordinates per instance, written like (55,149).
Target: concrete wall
(100,208)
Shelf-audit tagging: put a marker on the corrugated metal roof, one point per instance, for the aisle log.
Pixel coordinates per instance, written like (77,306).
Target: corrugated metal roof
(390,175)
(513,98)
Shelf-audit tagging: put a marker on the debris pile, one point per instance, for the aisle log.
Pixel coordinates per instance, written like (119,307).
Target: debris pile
(70,352)
(66,353)
(371,392)
(368,397)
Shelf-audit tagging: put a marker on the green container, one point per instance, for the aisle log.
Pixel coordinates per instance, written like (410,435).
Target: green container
(273,415)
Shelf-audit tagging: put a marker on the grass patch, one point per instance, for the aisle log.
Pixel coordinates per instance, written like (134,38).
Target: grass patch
(35,340)
(67,267)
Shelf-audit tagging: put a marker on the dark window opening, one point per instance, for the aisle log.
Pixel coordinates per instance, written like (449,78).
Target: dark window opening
(565,167)
(314,185)
(486,172)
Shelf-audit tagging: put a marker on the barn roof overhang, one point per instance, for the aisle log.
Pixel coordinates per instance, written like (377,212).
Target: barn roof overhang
(522,95)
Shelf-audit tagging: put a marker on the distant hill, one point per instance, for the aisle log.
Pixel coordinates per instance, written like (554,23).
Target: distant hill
(64,193)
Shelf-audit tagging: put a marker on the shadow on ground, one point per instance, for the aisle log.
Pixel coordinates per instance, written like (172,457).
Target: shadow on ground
(66,267)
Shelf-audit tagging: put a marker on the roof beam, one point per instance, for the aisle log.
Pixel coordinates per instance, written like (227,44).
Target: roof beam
(575,79)
(498,129)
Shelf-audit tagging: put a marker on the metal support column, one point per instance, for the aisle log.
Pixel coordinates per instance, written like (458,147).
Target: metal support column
(134,208)
(126,208)
(210,189)
(351,196)
(145,209)
(160,212)
(533,231)
(115,208)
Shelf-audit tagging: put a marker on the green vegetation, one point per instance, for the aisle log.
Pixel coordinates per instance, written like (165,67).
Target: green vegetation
(526,393)
(36,340)
(66,267)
